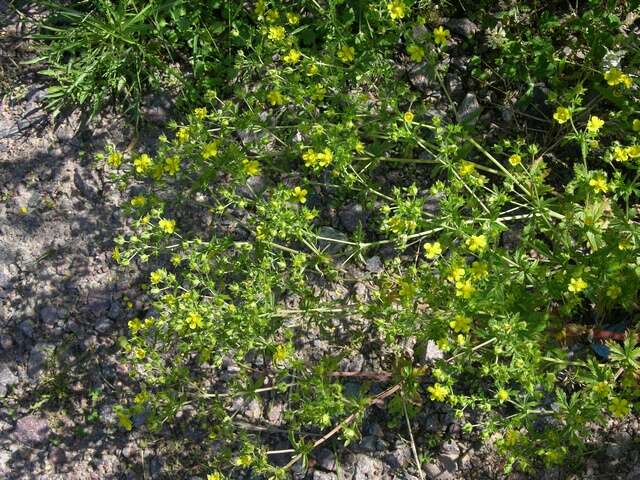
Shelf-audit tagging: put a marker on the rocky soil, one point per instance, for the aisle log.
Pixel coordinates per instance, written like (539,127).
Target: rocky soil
(63,305)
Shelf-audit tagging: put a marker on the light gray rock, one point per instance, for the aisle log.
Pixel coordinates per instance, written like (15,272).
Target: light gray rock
(5,458)
(374,264)
(7,378)
(436,472)
(429,352)
(38,360)
(400,457)
(367,468)
(275,413)
(254,187)
(104,325)
(329,246)
(32,430)
(449,456)
(318,475)
(469,109)
(253,410)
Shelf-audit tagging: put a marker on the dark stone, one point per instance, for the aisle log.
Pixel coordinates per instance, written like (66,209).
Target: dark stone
(49,315)
(326,459)
(57,456)
(463,27)
(352,217)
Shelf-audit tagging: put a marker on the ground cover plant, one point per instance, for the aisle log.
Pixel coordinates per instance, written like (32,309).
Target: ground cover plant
(510,250)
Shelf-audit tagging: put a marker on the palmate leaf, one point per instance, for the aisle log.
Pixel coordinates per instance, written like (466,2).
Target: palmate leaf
(628,353)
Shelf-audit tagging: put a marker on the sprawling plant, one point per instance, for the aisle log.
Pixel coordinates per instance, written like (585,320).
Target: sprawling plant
(514,250)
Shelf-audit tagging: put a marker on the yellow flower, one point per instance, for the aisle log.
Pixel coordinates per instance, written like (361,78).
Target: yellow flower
(157,276)
(562,114)
(416,53)
(460,324)
(292,57)
(275,98)
(346,53)
(432,250)
(502,395)
(318,92)
(124,421)
(613,76)
(272,16)
(619,407)
(194,320)
(142,163)
(396,9)
(594,124)
(280,354)
(599,184)
(214,476)
(479,270)
(577,285)
(467,168)
(408,117)
(359,148)
(167,226)
(244,460)
(138,201)
(200,113)
(310,158)
(299,194)
(176,259)
(636,125)
(614,291)
(139,353)
(276,33)
(443,344)
(511,437)
(620,154)
(440,35)
(325,157)
(251,167)
(477,243)
(455,274)
(624,245)
(312,70)
(293,18)
(465,289)
(601,388)
(115,159)
(183,135)
(515,159)
(210,150)
(135,325)
(438,392)
(633,151)
(172,165)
